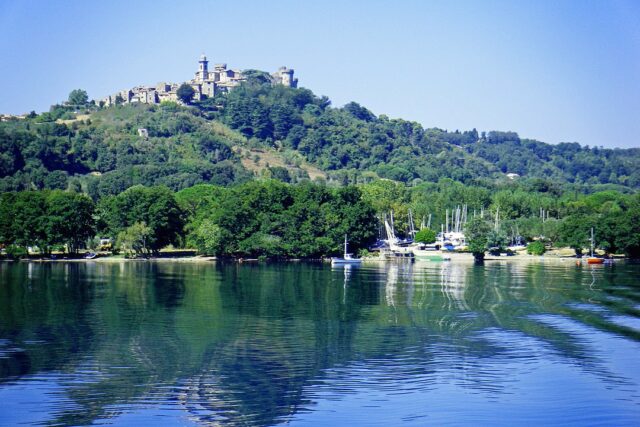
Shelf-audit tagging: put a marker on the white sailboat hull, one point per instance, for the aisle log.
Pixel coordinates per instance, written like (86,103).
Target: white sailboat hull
(347,259)
(344,261)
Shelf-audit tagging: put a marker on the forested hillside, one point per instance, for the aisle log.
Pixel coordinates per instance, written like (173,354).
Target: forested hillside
(278,132)
(148,176)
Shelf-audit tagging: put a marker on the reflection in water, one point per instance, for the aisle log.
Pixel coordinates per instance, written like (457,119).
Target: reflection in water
(452,283)
(265,344)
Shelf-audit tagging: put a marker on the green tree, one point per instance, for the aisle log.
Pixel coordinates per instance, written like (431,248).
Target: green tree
(476,233)
(280,173)
(627,229)
(206,237)
(536,248)
(199,199)
(496,241)
(29,220)
(574,232)
(78,97)
(56,180)
(273,219)
(135,239)
(629,239)
(551,230)
(156,207)
(425,235)
(185,93)
(69,219)
(7,225)
(388,196)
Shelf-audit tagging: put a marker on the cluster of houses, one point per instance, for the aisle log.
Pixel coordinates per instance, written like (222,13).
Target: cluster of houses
(206,83)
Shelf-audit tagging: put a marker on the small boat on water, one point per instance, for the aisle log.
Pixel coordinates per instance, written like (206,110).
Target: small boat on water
(398,254)
(594,259)
(347,259)
(90,255)
(429,255)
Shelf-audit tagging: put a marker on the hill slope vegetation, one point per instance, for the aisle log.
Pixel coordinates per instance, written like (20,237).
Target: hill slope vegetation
(285,133)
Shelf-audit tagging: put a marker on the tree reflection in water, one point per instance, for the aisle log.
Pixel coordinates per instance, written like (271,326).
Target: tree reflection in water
(257,344)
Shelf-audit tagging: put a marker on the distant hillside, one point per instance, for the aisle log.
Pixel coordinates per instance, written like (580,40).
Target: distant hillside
(286,133)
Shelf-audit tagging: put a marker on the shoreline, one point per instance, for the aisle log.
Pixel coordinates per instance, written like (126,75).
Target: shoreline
(195,259)
(117,259)
(467,258)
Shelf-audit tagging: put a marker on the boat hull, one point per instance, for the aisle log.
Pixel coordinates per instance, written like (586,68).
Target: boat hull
(435,258)
(595,260)
(408,255)
(422,255)
(342,261)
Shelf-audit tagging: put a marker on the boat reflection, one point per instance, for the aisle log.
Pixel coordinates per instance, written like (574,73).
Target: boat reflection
(259,344)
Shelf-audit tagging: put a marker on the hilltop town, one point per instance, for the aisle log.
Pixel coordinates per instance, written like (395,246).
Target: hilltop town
(206,84)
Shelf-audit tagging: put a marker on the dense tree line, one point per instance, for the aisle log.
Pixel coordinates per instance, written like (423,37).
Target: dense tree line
(273,219)
(257,219)
(269,218)
(45,219)
(150,214)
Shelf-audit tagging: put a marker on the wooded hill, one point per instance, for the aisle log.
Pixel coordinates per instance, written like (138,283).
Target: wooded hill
(284,133)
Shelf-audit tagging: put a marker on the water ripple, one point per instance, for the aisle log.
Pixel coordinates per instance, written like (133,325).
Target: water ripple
(544,343)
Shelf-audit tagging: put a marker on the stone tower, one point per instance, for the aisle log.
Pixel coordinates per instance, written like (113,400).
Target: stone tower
(203,69)
(284,76)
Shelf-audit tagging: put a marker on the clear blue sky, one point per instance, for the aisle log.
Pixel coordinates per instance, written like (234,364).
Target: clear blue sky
(551,70)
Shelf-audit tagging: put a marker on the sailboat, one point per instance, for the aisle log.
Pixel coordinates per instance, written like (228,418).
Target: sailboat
(396,249)
(347,259)
(593,259)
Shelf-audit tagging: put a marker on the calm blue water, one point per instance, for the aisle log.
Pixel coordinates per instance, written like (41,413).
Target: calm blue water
(304,344)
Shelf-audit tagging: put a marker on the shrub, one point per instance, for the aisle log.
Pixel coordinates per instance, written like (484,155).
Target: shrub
(425,235)
(536,248)
(16,252)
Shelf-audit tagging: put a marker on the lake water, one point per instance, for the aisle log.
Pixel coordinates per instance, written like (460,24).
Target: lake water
(525,343)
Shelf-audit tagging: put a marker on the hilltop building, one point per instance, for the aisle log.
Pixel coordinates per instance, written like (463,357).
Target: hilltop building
(209,83)
(10,117)
(284,76)
(206,83)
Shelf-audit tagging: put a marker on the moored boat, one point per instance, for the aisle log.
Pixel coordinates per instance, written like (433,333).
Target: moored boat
(594,259)
(347,259)
(426,255)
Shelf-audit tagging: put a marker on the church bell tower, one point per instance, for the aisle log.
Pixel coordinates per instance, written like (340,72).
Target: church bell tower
(203,69)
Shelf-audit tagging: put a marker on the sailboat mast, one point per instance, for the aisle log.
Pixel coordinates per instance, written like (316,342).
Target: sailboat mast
(412,229)
(446,215)
(393,227)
